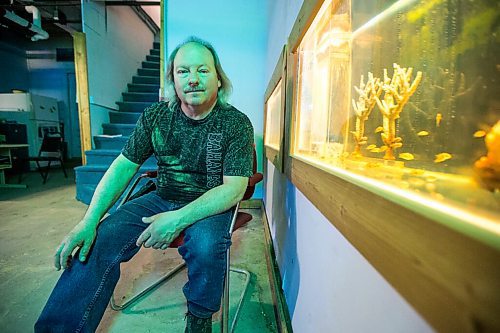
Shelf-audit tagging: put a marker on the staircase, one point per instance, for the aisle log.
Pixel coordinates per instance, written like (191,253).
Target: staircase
(141,93)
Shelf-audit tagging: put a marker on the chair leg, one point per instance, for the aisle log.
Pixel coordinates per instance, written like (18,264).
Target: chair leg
(39,169)
(224,326)
(242,296)
(139,295)
(225,297)
(42,173)
(46,173)
(62,166)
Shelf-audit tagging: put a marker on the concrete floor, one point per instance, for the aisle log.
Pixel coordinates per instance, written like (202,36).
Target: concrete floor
(33,221)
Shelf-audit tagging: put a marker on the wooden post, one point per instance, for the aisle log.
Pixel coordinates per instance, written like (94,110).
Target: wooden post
(82,91)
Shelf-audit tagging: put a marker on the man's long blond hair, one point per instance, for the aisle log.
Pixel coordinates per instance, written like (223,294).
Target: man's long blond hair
(226,86)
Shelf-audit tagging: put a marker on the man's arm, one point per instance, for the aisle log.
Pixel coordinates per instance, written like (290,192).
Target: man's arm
(109,189)
(165,227)
(217,200)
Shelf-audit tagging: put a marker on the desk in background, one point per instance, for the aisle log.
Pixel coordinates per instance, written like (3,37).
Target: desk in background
(6,162)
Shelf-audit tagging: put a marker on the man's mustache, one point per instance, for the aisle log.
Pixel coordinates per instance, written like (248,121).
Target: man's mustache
(188,90)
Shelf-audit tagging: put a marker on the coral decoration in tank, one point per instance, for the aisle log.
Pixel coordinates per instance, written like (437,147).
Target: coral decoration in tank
(397,91)
(363,107)
(488,167)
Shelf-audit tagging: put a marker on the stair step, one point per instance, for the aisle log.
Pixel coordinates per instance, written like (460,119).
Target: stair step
(156,45)
(136,87)
(101,156)
(103,142)
(153,58)
(107,156)
(124,117)
(146,80)
(84,192)
(155,52)
(149,72)
(92,174)
(150,97)
(88,176)
(133,106)
(151,64)
(114,129)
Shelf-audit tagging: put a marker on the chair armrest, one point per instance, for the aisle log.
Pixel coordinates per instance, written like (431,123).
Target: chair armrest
(252,181)
(256,178)
(151,174)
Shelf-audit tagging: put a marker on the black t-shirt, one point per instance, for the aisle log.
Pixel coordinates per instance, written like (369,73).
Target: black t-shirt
(192,155)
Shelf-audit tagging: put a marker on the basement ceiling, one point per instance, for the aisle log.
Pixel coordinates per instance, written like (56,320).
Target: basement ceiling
(57,17)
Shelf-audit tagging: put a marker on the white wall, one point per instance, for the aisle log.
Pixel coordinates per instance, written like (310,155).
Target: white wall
(153,12)
(238,31)
(117,42)
(329,286)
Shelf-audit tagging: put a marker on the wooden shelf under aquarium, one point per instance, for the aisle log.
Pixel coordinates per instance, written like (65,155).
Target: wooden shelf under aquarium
(446,267)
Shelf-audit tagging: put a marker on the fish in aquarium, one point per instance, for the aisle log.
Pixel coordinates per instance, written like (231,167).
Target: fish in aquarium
(479,134)
(441,157)
(406,156)
(439,117)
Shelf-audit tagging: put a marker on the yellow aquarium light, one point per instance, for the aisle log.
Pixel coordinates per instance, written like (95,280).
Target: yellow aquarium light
(394,8)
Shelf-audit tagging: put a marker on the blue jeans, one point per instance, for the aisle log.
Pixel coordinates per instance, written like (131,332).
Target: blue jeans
(83,291)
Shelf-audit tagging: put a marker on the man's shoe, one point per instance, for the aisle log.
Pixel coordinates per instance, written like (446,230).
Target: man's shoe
(198,325)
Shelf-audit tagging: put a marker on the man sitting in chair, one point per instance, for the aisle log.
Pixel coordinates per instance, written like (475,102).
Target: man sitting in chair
(204,148)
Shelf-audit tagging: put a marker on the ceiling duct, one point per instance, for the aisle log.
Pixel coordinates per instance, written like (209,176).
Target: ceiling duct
(35,31)
(37,22)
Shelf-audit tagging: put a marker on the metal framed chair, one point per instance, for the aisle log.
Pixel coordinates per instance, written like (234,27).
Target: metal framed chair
(239,219)
(51,150)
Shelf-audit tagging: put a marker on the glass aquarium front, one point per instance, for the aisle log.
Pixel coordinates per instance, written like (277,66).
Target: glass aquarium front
(273,118)
(405,93)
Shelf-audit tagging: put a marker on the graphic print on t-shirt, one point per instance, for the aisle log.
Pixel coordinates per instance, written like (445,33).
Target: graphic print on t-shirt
(214,159)
(192,155)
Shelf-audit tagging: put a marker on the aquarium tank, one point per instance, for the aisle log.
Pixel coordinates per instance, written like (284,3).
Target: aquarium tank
(405,95)
(273,118)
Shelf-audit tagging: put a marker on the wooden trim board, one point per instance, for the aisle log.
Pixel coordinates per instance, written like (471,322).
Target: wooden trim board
(451,279)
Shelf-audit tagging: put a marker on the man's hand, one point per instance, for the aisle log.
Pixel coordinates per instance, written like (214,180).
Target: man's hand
(163,229)
(82,235)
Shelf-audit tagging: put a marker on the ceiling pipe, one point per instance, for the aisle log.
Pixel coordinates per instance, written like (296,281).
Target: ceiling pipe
(38,31)
(44,3)
(37,22)
(36,15)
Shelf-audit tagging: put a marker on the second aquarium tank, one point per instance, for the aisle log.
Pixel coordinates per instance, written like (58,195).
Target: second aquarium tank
(273,118)
(406,93)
